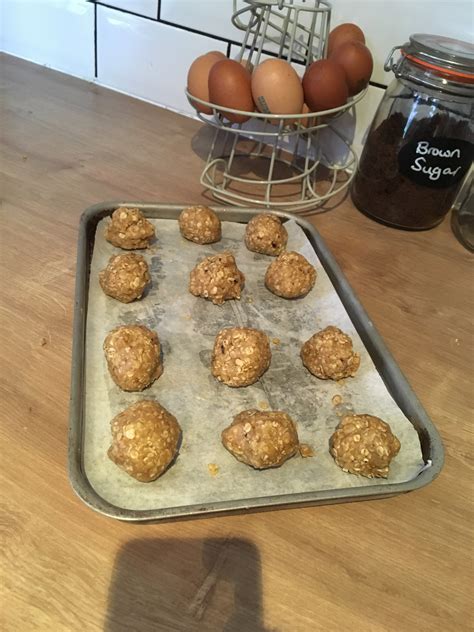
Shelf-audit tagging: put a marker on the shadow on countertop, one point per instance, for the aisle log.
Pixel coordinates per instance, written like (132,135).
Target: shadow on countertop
(164,585)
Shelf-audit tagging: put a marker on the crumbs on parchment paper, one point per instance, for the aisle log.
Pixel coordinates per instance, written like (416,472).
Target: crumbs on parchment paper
(213,469)
(306,450)
(336,400)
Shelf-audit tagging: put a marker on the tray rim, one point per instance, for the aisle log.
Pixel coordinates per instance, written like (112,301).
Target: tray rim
(429,436)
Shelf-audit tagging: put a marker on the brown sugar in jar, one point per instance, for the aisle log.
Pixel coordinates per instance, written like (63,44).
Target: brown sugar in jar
(420,145)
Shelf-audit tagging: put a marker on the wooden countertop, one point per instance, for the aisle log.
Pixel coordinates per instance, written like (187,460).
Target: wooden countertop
(396,565)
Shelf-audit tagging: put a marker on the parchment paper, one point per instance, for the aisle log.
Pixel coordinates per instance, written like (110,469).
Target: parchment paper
(187,326)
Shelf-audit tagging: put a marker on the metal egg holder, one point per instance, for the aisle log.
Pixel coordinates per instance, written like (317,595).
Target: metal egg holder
(296,164)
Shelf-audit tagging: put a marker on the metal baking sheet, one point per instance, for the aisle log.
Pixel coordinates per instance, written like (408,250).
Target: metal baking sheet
(205,407)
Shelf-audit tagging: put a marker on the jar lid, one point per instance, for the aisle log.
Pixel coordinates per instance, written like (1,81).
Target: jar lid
(451,58)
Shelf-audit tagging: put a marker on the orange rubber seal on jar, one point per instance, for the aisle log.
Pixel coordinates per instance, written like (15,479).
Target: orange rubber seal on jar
(464,77)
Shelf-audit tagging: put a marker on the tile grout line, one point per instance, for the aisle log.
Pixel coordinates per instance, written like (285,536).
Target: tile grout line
(120,10)
(95,43)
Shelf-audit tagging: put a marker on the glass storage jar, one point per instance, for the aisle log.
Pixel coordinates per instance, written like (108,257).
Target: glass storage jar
(420,144)
(462,217)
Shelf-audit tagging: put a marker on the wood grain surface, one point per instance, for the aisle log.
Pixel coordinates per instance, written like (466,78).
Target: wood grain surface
(403,564)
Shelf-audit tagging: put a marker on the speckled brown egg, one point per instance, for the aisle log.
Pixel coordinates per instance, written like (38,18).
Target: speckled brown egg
(261,439)
(343,33)
(356,60)
(364,445)
(145,439)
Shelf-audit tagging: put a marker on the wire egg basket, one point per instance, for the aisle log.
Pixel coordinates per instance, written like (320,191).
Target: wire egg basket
(278,161)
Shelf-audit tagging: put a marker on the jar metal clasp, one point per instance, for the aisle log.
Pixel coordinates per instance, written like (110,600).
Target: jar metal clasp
(389,63)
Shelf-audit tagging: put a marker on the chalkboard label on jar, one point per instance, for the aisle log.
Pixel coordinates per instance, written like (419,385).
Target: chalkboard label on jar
(436,162)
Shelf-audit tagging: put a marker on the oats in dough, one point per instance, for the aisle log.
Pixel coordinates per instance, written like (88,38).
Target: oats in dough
(261,439)
(364,445)
(200,224)
(329,354)
(145,438)
(266,234)
(290,276)
(133,356)
(125,277)
(129,230)
(241,356)
(306,451)
(217,278)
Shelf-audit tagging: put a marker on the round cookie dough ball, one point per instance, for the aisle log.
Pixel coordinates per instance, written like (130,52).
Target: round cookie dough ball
(365,445)
(290,276)
(200,224)
(133,356)
(261,439)
(145,438)
(129,229)
(266,234)
(329,354)
(217,278)
(241,356)
(125,277)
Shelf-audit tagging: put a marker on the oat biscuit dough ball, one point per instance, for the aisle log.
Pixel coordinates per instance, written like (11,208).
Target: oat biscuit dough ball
(241,355)
(217,278)
(125,277)
(266,234)
(261,439)
(329,355)
(129,230)
(290,275)
(364,445)
(145,438)
(133,356)
(200,224)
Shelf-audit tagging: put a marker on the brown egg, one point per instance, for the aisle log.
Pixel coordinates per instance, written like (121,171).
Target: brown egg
(305,122)
(325,86)
(276,88)
(310,121)
(344,33)
(198,77)
(229,86)
(357,62)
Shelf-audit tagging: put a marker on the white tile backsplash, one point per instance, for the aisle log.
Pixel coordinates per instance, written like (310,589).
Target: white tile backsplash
(147,8)
(208,16)
(148,59)
(55,33)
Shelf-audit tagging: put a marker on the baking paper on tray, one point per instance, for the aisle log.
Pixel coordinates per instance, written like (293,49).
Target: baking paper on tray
(187,326)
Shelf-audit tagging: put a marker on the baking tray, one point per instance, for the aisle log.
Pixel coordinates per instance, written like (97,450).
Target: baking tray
(397,385)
